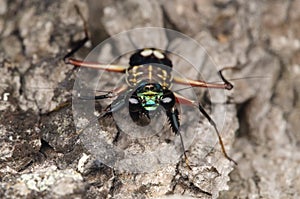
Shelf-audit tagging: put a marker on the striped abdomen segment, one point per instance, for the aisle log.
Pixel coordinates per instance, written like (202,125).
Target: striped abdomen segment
(151,72)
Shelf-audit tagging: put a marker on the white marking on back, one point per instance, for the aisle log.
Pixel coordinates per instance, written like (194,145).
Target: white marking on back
(146,52)
(158,54)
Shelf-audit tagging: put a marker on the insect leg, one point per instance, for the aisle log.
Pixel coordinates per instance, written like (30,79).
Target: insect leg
(186,101)
(79,63)
(212,122)
(117,105)
(60,106)
(96,65)
(198,83)
(168,102)
(173,117)
(97,97)
(81,42)
(227,84)
(109,94)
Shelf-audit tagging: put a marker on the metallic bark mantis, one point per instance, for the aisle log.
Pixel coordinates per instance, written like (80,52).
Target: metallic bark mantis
(147,88)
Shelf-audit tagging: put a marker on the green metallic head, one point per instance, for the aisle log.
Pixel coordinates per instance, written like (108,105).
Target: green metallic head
(149,95)
(144,102)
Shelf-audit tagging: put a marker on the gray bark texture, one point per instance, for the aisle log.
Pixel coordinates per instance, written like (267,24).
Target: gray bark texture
(42,156)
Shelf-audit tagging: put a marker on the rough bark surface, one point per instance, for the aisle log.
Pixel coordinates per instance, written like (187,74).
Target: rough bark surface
(41,155)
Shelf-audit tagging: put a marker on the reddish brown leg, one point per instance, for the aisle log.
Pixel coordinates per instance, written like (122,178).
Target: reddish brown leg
(183,100)
(198,83)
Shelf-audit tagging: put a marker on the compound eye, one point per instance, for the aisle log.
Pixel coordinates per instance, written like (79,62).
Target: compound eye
(134,104)
(168,101)
(133,101)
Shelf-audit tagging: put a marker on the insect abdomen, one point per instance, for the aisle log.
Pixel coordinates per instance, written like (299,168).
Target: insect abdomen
(149,64)
(150,72)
